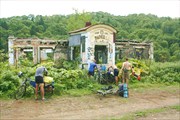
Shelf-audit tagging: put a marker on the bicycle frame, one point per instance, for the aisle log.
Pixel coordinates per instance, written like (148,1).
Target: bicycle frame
(20,92)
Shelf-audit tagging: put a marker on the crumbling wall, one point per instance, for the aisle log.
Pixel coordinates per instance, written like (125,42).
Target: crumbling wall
(17,46)
(131,49)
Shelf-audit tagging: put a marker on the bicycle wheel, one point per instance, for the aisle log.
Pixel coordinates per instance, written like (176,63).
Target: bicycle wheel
(49,89)
(20,92)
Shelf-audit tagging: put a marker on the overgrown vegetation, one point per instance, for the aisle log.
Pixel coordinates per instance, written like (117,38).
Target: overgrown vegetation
(70,80)
(167,73)
(66,78)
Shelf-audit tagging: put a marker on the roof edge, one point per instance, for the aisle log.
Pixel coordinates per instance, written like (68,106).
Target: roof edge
(88,27)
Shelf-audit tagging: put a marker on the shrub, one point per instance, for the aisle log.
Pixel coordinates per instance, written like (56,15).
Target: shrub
(163,73)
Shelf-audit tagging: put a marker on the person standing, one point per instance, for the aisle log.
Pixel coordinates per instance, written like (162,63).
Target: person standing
(126,67)
(116,72)
(40,71)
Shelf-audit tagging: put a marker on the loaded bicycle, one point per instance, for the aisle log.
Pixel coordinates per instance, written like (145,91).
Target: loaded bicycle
(103,77)
(21,91)
(122,90)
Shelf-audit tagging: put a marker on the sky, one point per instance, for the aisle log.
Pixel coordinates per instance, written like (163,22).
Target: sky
(161,8)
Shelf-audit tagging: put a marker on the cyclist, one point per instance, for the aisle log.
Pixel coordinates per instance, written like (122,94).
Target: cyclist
(40,71)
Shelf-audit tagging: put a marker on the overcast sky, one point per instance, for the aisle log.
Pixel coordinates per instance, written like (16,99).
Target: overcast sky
(161,8)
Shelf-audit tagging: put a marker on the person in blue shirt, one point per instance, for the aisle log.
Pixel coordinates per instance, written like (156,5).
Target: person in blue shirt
(92,67)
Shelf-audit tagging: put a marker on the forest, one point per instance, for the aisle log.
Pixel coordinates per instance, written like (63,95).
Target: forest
(164,32)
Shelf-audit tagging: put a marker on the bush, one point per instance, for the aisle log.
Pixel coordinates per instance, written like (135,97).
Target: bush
(76,79)
(163,73)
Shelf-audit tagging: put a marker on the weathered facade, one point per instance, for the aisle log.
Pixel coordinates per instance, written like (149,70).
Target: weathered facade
(93,42)
(17,48)
(133,49)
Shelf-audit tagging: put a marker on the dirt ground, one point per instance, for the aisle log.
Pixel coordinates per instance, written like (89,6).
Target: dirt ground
(93,106)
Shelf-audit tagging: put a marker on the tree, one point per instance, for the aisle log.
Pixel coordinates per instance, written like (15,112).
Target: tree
(33,30)
(162,55)
(174,47)
(164,44)
(3,24)
(168,27)
(78,20)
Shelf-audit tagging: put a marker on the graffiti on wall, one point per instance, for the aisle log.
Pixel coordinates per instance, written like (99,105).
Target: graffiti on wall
(101,36)
(90,52)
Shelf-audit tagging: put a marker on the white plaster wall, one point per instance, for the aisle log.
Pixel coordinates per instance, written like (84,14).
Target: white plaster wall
(11,51)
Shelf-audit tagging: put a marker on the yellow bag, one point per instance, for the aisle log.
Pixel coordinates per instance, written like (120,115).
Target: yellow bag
(48,79)
(137,71)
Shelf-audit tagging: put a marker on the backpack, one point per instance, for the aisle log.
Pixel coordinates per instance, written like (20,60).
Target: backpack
(120,90)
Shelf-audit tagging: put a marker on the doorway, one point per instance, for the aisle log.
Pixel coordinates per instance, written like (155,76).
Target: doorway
(101,54)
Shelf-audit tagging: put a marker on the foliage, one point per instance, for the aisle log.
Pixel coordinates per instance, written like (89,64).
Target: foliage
(67,64)
(78,20)
(163,73)
(68,78)
(8,80)
(3,57)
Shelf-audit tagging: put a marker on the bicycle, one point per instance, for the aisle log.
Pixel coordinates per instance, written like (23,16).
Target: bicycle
(103,78)
(122,91)
(20,92)
(107,90)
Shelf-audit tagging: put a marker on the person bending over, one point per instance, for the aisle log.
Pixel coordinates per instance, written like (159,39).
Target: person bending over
(40,71)
(92,67)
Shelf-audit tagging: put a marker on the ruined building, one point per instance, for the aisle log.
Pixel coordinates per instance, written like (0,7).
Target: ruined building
(91,42)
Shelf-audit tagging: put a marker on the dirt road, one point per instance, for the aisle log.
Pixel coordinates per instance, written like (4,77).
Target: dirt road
(91,106)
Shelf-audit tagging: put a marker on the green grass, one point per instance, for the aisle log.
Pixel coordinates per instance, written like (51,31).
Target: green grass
(145,113)
(177,107)
(78,92)
(144,87)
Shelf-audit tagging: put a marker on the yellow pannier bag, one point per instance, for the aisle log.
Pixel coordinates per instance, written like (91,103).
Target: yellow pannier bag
(48,79)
